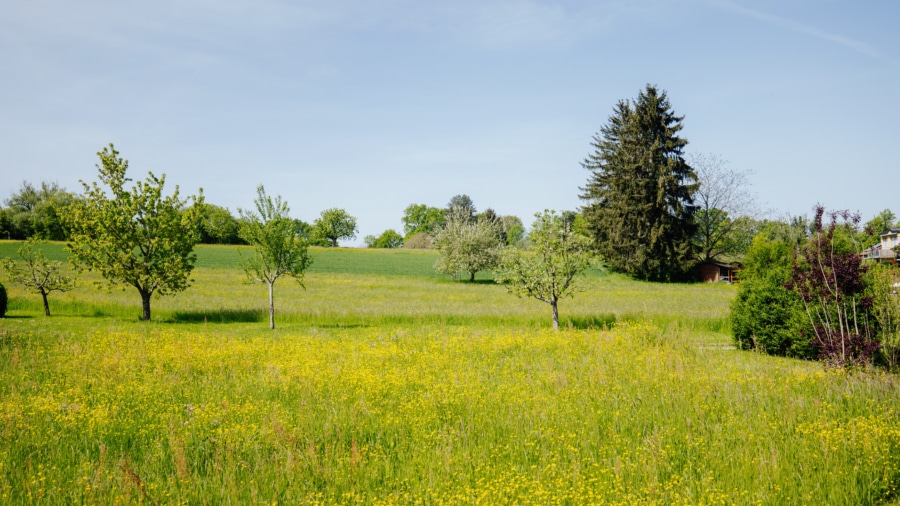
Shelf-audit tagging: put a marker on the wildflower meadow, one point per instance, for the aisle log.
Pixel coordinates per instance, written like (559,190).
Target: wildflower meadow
(387,384)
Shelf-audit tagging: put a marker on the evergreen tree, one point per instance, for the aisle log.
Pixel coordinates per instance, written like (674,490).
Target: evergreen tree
(640,194)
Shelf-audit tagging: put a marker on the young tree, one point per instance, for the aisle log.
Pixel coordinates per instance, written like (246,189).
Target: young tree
(278,248)
(137,237)
(466,246)
(640,207)
(335,224)
(38,274)
(546,269)
(724,203)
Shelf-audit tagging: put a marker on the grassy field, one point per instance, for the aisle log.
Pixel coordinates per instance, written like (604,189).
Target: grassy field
(386,384)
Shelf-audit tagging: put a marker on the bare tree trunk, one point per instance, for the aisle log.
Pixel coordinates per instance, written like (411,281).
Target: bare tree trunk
(271,306)
(555,310)
(145,304)
(471,277)
(46,304)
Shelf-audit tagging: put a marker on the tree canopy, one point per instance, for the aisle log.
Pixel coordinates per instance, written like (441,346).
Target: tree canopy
(136,236)
(639,196)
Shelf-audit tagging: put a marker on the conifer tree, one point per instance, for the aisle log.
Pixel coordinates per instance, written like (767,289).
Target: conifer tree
(640,193)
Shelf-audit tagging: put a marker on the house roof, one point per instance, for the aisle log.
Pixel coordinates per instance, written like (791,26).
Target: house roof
(891,231)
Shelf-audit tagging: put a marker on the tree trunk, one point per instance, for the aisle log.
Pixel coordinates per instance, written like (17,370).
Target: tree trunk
(555,310)
(271,306)
(46,304)
(145,304)
(334,243)
(471,277)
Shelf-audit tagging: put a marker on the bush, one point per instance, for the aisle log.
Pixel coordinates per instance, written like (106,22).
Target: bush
(3,301)
(766,315)
(418,240)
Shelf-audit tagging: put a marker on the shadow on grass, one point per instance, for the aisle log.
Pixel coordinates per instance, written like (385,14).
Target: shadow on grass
(603,321)
(220,316)
(17,317)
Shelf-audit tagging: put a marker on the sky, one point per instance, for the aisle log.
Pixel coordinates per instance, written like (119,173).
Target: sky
(373,105)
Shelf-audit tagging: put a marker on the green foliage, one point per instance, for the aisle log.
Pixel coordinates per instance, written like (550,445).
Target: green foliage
(218,226)
(422,219)
(36,212)
(546,269)
(38,273)
(388,239)
(462,205)
(4,300)
(335,224)
(278,248)
(766,315)
(515,230)
(640,194)
(137,237)
(873,228)
(466,246)
(883,281)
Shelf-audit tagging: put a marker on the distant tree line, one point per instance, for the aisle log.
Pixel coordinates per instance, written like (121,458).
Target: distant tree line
(38,212)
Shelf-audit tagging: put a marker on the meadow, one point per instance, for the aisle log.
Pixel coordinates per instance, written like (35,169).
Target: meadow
(385,383)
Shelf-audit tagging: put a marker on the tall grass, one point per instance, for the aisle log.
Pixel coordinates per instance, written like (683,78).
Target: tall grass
(384,384)
(213,414)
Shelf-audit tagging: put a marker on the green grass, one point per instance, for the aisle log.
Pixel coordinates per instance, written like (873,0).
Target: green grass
(387,384)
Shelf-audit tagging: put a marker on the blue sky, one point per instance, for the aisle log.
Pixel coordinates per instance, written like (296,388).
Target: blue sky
(373,105)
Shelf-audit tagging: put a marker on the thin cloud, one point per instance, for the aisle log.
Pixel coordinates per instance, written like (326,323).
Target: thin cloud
(801,28)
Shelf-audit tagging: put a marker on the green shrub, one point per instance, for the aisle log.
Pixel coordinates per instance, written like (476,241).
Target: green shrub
(3,301)
(766,315)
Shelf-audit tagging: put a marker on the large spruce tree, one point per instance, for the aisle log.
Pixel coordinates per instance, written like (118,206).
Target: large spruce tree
(640,194)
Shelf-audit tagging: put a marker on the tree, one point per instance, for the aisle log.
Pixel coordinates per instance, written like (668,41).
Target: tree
(883,281)
(466,246)
(35,211)
(38,274)
(137,237)
(515,231)
(422,219)
(873,228)
(218,226)
(462,205)
(388,239)
(829,277)
(640,208)
(278,248)
(334,224)
(547,268)
(723,205)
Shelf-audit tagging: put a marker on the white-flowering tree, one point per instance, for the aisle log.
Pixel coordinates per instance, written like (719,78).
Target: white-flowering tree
(466,246)
(278,247)
(547,268)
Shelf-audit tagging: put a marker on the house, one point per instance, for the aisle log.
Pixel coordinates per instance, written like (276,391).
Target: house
(712,271)
(890,239)
(872,252)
